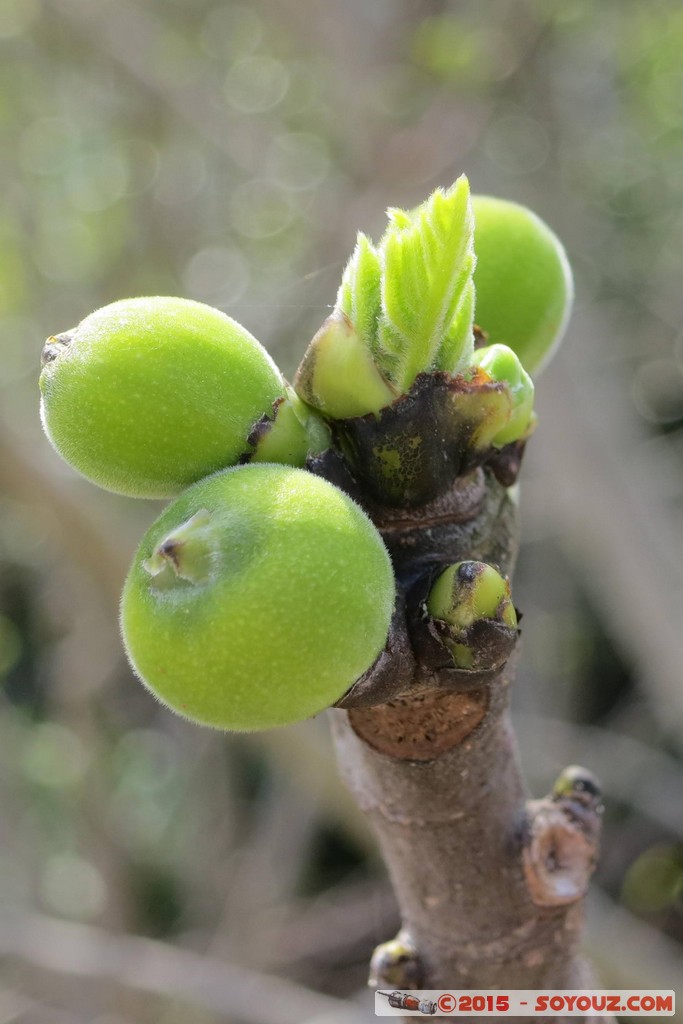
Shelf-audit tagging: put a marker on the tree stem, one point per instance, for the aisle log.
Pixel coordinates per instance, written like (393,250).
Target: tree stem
(489,883)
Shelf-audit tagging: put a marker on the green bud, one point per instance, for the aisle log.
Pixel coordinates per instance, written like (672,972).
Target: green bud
(523,281)
(468,591)
(502,365)
(464,595)
(577,783)
(338,375)
(487,406)
(396,964)
(404,307)
(293,433)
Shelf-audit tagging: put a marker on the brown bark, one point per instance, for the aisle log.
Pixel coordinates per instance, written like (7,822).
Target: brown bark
(489,883)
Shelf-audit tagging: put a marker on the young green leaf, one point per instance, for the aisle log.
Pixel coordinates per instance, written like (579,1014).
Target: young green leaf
(427,265)
(458,343)
(404,307)
(359,296)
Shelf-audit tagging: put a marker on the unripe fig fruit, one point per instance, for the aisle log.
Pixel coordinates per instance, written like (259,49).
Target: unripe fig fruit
(148,395)
(523,281)
(257,598)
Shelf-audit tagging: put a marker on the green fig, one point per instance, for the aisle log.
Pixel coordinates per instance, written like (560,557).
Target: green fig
(257,598)
(467,591)
(465,594)
(523,281)
(148,395)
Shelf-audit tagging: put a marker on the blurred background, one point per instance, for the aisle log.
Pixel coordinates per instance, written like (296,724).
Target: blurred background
(152,871)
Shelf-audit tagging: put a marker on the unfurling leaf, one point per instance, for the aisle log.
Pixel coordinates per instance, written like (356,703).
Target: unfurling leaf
(360,294)
(427,301)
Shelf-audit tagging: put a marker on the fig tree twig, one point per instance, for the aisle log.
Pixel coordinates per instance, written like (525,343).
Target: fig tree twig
(490,884)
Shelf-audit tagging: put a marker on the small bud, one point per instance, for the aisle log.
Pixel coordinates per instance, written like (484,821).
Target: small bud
(468,591)
(486,405)
(463,596)
(396,963)
(580,784)
(291,434)
(561,840)
(503,366)
(338,375)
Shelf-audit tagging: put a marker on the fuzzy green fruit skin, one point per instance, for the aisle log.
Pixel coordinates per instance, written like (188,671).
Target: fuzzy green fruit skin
(523,281)
(151,394)
(296,605)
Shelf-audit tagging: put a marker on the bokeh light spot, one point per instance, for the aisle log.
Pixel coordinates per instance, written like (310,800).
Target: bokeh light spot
(655,880)
(218,275)
(256,84)
(517,144)
(54,756)
(298,160)
(48,144)
(73,887)
(260,209)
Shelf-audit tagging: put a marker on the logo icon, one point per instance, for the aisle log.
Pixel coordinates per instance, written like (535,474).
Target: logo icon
(408,1001)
